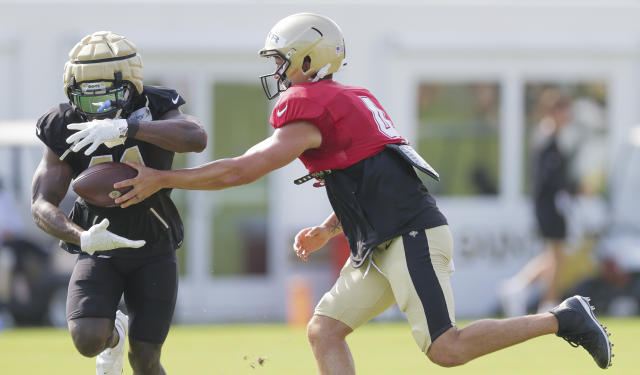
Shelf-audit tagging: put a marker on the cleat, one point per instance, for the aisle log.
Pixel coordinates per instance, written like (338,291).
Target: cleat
(578,325)
(110,361)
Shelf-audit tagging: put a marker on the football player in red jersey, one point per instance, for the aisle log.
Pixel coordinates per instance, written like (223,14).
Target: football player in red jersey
(401,246)
(118,119)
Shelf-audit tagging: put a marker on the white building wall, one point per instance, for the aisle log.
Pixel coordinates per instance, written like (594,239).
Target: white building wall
(390,46)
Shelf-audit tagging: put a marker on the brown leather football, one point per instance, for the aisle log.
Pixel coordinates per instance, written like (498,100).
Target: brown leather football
(95,184)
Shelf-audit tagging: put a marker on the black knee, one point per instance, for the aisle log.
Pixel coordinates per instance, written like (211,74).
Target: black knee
(90,335)
(144,357)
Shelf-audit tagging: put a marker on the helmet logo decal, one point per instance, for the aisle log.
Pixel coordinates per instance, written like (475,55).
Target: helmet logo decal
(276,39)
(93,86)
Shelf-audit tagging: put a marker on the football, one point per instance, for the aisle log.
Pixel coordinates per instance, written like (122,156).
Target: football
(95,184)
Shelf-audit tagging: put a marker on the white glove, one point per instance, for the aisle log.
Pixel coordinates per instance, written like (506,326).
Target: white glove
(98,238)
(108,131)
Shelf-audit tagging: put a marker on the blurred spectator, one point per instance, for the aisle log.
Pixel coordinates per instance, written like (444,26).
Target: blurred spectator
(616,287)
(550,196)
(10,228)
(10,224)
(28,284)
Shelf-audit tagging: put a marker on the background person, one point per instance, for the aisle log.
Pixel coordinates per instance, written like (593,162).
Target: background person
(10,227)
(551,187)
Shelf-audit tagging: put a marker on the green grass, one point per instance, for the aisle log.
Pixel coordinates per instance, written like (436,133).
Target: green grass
(377,349)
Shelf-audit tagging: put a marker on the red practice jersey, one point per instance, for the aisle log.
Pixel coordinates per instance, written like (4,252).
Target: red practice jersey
(353,124)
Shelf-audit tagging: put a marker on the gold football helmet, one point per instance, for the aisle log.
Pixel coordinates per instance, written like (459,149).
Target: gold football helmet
(307,48)
(103,74)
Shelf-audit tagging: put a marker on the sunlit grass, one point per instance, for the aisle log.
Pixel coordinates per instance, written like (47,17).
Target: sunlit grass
(378,348)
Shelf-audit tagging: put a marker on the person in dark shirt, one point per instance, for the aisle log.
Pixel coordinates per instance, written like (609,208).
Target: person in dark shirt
(400,242)
(121,252)
(551,182)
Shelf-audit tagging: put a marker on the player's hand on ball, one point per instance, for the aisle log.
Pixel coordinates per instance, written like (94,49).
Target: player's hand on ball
(309,240)
(98,238)
(143,185)
(108,131)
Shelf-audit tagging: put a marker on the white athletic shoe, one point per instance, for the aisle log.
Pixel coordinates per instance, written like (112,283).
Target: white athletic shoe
(110,361)
(513,298)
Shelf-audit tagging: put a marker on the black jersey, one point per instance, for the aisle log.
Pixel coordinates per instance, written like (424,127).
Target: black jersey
(550,171)
(155,220)
(378,199)
(550,177)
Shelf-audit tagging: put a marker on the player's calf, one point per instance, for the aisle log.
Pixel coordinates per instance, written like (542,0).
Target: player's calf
(144,358)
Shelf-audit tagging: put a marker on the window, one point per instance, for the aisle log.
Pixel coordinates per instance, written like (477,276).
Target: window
(458,135)
(239,227)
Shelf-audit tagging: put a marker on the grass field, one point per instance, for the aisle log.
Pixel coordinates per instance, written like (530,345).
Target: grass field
(378,348)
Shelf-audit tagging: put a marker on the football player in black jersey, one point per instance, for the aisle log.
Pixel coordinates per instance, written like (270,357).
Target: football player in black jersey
(130,251)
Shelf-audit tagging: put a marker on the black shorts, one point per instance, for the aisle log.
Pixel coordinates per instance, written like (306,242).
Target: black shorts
(551,222)
(149,285)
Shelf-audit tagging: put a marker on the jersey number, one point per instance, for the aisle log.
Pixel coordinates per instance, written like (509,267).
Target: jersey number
(385,126)
(131,154)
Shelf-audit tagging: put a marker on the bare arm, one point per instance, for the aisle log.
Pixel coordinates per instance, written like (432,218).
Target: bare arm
(175,132)
(332,225)
(50,183)
(311,239)
(284,146)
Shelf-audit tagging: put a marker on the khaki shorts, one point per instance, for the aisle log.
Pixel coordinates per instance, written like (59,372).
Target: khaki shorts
(413,271)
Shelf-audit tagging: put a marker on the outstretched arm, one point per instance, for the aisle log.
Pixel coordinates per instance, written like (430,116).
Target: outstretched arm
(284,146)
(311,239)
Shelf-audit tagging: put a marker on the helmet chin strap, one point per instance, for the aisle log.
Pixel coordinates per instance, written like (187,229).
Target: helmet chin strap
(322,73)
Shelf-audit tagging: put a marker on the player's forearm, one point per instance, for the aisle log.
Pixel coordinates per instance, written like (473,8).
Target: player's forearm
(216,175)
(284,146)
(52,220)
(332,225)
(177,135)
